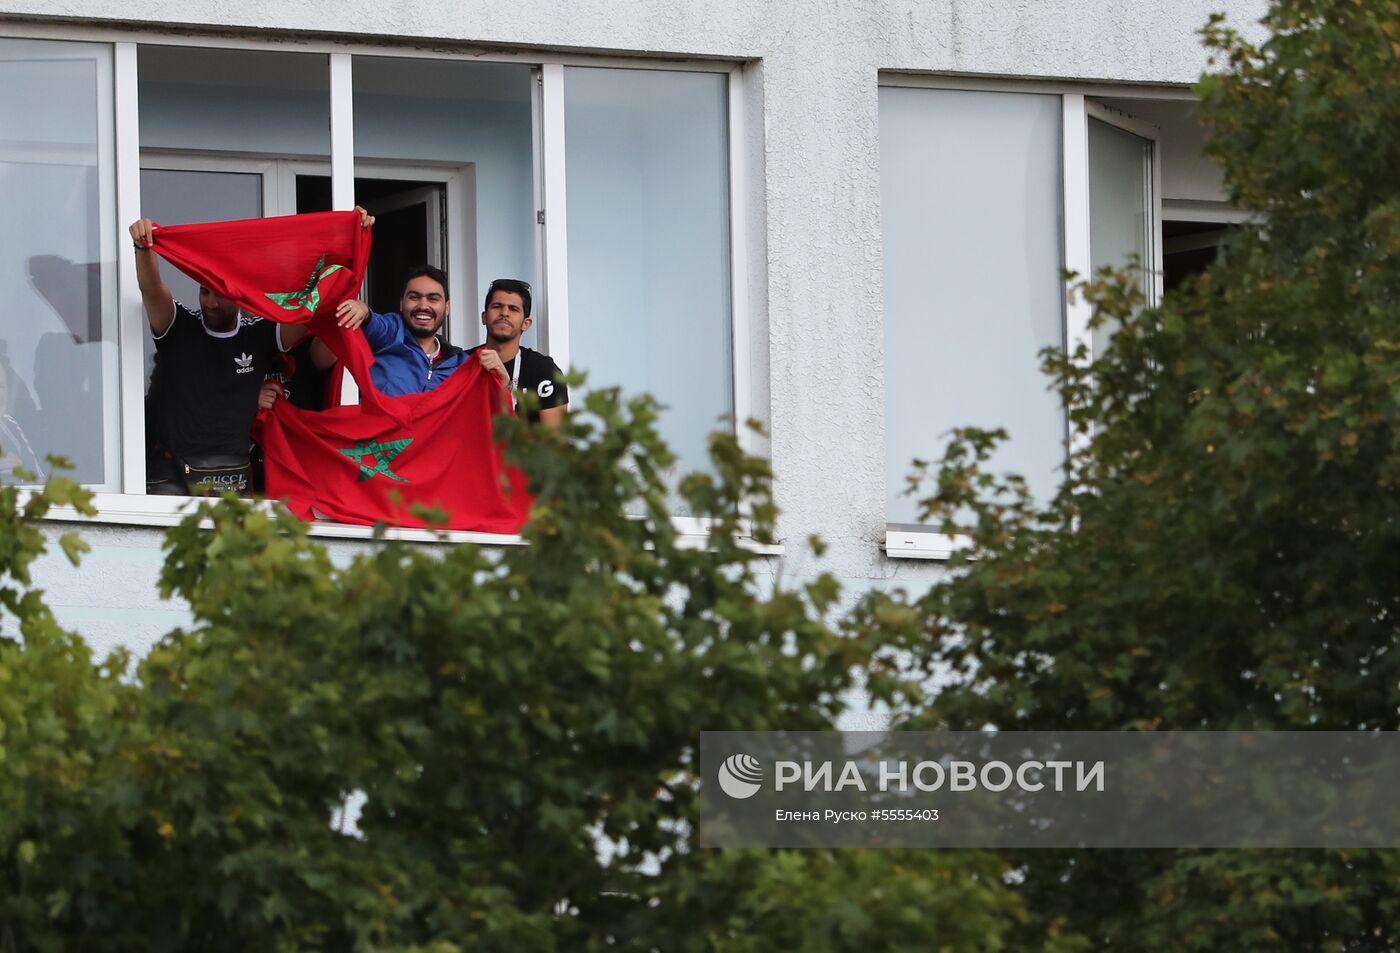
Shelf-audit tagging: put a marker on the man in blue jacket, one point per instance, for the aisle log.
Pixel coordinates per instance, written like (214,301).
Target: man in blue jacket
(410,356)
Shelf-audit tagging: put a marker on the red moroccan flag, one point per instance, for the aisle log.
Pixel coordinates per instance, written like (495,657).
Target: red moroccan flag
(295,269)
(376,460)
(357,466)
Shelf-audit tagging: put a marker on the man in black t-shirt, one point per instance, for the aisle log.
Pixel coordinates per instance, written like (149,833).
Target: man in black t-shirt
(506,316)
(210,366)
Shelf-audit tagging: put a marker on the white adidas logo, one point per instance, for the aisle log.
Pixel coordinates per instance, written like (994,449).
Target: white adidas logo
(244,363)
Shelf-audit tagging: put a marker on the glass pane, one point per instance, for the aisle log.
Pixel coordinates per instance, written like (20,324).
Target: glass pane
(647,172)
(475,119)
(247,101)
(1120,176)
(253,104)
(970,212)
(179,197)
(58,304)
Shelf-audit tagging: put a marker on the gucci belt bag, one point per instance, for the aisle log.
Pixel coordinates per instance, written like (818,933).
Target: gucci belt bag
(213,473)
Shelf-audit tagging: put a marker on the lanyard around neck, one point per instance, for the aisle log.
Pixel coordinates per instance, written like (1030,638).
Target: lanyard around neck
(515,378)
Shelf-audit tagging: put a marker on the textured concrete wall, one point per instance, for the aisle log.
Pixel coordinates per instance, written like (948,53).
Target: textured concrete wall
(813,164)
(112,597)
(1131,40)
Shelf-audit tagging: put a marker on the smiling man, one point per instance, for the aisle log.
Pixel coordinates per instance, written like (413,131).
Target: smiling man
(506,316)
(410,355)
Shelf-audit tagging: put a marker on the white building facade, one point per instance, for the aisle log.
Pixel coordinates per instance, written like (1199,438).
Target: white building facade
(848,220)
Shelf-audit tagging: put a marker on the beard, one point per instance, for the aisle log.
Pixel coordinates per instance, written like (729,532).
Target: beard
(423,333)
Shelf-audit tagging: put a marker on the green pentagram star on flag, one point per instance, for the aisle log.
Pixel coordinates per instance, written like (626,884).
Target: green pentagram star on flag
(382,453)
(308,297)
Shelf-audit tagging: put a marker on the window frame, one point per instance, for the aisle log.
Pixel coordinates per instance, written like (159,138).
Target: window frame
(1078,105)
(279,186)
(1153,184)
(279,183)
(102,161)
(128,503)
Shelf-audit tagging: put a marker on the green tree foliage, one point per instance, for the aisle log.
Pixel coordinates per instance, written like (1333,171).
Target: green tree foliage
(1223,553)
(520,725)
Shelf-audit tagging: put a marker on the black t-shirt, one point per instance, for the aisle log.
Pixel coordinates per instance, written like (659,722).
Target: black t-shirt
(204,389)
(539,375)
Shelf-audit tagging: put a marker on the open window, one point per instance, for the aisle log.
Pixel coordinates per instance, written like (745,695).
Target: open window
(988,193)
(489,166)
(410,223)
(1190,215)
(417,150)
(411,229)
(970,211)
(1124,202)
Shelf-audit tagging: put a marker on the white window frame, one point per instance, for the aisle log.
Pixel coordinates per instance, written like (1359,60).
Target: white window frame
(279,198)
(1078,104)
(1078,112)
(100,158)
(459,181)
(172,160)
(1152,237)
(554,225)
(131,505)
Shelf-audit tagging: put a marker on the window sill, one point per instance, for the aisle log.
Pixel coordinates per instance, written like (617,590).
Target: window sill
(916,544)
(119,509)
(150,511)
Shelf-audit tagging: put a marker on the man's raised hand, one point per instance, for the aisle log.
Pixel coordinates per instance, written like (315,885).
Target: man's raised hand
(351,314)
(143,233)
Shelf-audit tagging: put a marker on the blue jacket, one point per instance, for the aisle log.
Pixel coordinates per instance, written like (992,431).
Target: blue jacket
(400,366)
